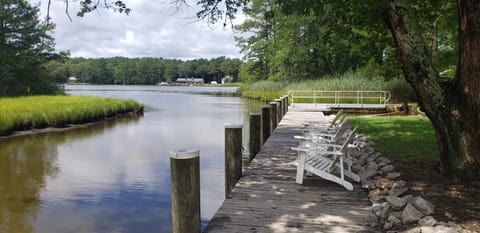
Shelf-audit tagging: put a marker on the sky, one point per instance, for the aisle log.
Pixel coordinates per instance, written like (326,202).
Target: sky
(153,29)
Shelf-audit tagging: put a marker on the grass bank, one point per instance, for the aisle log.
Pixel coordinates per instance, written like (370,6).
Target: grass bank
(401,138)
(269,90)
(24,113)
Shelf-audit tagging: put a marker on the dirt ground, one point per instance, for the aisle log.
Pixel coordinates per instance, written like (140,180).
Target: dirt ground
(456,202)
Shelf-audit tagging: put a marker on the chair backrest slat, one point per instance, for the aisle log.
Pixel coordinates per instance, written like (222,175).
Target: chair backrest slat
(349,139)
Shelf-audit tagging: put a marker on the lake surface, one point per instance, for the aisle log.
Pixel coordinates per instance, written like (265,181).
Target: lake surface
(115,176)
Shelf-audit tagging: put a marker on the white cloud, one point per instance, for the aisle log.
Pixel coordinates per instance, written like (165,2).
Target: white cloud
(153,29)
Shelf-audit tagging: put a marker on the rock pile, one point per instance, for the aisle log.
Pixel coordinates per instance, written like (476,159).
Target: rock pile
(393,204)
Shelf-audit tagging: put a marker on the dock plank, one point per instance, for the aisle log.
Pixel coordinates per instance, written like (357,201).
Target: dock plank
(267,199)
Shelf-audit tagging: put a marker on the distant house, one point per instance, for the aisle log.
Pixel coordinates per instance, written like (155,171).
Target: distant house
(72,79)
(190,81)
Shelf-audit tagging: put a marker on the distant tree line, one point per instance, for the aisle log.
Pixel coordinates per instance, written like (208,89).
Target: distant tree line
(144,71)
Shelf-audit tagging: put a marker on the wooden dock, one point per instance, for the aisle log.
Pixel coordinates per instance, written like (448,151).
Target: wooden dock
(267,199)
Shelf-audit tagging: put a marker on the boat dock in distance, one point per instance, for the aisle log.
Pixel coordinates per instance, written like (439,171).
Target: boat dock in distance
(267,199)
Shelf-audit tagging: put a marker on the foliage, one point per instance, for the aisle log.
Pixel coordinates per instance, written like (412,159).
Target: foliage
(24,46)
(146,71)
(404,139)
(23,113)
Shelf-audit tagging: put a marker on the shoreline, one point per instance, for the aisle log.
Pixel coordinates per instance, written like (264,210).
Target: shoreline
(68,127)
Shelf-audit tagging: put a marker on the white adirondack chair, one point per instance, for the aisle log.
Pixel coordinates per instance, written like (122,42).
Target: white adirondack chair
(329,161)
(339,117)
(331,130)
(321,136)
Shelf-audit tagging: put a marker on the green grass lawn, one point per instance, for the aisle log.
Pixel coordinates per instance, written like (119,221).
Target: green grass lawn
(23,113)
(401,138)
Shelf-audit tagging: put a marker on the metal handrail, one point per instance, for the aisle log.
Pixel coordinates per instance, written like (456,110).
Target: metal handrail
(381,96)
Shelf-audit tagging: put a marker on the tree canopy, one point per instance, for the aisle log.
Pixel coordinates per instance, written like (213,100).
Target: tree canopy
(24,46)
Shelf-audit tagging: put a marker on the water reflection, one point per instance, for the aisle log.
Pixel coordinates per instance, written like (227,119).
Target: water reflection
(27,164)
(115,177)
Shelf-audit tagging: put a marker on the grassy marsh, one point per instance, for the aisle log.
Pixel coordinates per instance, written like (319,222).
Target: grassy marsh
(23,113)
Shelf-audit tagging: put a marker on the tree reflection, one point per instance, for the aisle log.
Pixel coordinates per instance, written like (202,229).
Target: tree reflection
(26,163)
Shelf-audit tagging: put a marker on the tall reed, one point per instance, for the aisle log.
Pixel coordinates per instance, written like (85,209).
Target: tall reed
(350,81)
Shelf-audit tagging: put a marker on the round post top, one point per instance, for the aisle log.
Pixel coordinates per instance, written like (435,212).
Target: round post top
(185,154)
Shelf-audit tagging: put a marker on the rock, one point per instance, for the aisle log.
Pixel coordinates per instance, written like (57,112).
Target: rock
(427,221)
(384,183)
(375,192)
(411,214)
(368,149)
(372,166)
(443,224)
(381,209)
(400,184)
(438,229)
(372,158)
(397,191)
(413,230)
(450,216)
(384,160)
(367,181)
(453,224)
(362,161)
(393,175)
(376,199)
(357,168)
(366,175)
(387,169)
(368,184)
(355,153)
(396,214)
(395,202)
(423,205)
(408,198)
(387,225)
(394,219)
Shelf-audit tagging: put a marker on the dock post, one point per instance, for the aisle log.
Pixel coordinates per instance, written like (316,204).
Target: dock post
(185,185)
(273,115)
(255,134)
(266,127)
(286,104)
(279,111)
(233,156)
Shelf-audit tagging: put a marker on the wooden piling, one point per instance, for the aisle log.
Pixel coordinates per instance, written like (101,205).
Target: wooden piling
(273,115)
(233,156)
(255,134)
(279,110)
(185,185)
(282,105)
(266,125)
(286,104)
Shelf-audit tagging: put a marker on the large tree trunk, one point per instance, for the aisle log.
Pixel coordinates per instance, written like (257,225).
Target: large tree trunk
(452,105)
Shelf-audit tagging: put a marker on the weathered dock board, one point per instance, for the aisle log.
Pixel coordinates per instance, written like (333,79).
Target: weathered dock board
(266,198)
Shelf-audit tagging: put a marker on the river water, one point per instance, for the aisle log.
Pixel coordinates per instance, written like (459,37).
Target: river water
(115,176)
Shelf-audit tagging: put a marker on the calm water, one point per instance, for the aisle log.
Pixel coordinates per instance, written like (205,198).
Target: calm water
(115,176)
